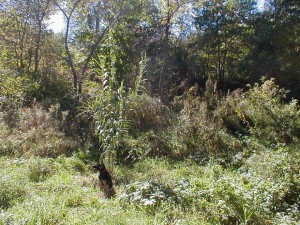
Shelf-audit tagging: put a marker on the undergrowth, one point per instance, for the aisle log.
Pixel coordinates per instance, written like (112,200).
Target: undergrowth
(231,160)
(36,131)
(158,191)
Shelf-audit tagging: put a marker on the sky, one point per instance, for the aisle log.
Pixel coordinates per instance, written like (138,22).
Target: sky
(260,4)
(56,22)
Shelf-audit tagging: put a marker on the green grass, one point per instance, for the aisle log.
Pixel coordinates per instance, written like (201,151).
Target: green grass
(154,191)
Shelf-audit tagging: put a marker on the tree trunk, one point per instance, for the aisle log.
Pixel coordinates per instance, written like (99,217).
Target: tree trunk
(69,56)
(70,60)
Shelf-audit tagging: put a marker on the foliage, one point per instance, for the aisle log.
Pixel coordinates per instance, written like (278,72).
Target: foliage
(16,90)
(274,120)
(199,158)
(36,133)
(222,32)
(147,113)
(263,191)
(280,170)
(198,134)
(261,112)
(150,194)
(221,195)
(107,107)
(231,128)
(131,150)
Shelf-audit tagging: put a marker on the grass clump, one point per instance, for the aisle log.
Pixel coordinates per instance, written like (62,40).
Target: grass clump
(11,192)
(12,183)
(39,170)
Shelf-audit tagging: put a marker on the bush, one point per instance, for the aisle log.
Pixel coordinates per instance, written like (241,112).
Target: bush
(6,147)
(214,194)
(264,188)
(36,133)
(54,88)
(261,113)
(147,113)
(15,90)
(198,134)
(149,194)
(235,126)
(132,149)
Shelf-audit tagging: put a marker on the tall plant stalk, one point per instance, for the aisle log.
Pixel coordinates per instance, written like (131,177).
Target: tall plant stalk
(108,106)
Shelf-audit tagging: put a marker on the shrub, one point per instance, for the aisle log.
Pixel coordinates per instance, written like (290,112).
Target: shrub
(16,89)
(198,134)
(15,92)
(150,194)
(261,113)
(37,133)
(227,113)
(147,113)
(6,147)
(275,179)
(217,195)
(73,163)
(54,88)
(132,149)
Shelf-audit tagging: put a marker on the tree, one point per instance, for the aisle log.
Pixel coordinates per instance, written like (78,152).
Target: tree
(87,23)
(16,40)
(276,43)
(40,12)
(23,27)
(222,26)
(170,11)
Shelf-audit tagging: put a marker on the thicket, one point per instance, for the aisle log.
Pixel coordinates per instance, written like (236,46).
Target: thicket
(249,134)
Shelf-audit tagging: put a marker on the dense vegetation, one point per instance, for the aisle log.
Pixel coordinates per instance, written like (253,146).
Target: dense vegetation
(192,105)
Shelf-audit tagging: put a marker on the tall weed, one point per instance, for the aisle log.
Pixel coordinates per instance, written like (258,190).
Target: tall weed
(107,106)
(36,133)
